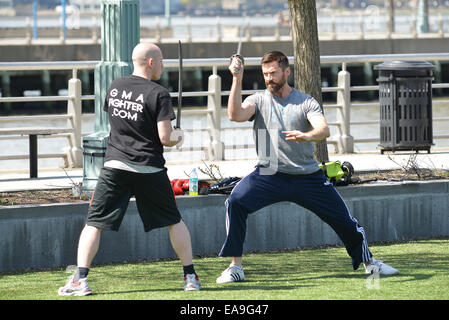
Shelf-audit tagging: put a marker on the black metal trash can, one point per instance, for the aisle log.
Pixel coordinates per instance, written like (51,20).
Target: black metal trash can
(405,97)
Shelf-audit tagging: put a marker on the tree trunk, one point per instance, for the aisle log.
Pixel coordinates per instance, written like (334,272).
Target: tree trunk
(307,69)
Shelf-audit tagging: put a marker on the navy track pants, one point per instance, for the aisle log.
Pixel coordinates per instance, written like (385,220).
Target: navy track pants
(312,191)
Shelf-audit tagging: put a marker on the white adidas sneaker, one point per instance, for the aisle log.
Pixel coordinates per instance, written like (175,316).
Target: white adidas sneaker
(377,266)
(232,274)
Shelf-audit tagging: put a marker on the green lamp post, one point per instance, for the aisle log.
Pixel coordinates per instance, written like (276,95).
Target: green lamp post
(423,17)
(120,33)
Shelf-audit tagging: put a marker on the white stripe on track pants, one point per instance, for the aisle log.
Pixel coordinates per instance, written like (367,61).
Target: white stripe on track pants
(311,191)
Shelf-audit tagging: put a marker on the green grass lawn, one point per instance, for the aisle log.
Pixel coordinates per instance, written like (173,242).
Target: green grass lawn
(290,275)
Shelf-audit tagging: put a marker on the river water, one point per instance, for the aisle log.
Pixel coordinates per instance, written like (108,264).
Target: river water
(199,137)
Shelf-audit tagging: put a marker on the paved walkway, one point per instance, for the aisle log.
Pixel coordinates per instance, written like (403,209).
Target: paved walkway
(362,162)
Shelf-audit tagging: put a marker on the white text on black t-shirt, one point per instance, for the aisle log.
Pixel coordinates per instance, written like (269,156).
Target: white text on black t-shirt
(123,106)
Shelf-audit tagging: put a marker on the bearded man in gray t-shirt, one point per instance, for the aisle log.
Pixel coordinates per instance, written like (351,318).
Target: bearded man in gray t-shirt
(275,118)
(286,123)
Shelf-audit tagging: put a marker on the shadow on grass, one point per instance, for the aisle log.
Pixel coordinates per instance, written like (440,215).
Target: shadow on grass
(257,285)
(401,277)
(230,287)
(287,271)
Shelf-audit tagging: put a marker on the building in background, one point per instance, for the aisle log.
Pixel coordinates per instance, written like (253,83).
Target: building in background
(86,5)
(6,7)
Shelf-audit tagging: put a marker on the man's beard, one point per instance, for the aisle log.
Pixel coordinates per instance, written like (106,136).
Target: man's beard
(275,86)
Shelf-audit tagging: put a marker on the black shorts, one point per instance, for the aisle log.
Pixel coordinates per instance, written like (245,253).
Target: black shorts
(154,199)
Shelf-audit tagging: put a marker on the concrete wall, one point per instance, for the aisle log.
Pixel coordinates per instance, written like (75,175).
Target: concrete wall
(47,235)
(197,50)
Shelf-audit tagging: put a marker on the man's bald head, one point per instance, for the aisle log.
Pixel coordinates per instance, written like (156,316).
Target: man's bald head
(142,53)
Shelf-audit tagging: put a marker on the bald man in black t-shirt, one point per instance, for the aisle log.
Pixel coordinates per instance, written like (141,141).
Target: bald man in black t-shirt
(140,114)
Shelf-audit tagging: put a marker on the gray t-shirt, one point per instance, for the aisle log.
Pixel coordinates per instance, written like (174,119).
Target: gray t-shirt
(274,115)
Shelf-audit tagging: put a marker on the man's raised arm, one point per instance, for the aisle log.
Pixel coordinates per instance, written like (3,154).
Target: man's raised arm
(236,110)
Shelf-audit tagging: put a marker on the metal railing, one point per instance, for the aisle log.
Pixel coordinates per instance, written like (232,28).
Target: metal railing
(342,141)
(330,26)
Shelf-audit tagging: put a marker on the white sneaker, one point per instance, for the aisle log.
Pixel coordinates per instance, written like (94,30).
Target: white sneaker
(377,266)
(192,282)
(80,288)
(232,274)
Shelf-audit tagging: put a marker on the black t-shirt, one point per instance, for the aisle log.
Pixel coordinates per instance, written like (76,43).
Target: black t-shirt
(135,105)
